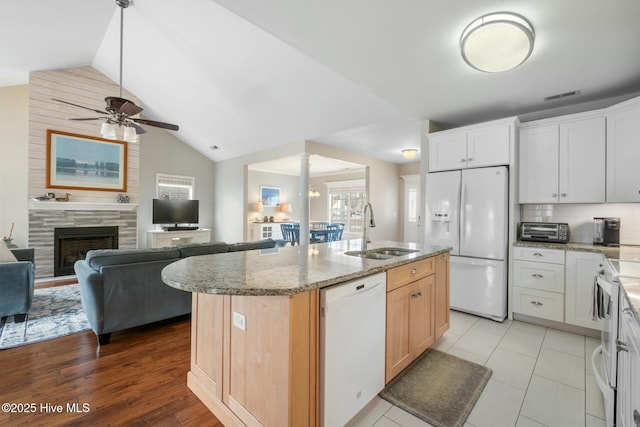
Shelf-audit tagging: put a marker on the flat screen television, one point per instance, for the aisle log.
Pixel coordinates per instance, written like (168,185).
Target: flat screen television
(168,211)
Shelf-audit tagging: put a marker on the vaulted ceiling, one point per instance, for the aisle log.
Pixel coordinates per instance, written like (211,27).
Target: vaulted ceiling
(247,75)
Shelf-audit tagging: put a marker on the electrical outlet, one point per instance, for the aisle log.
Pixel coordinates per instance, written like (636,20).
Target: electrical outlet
(239,321)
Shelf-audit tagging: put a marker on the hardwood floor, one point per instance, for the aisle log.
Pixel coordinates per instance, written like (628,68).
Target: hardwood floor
(140,378)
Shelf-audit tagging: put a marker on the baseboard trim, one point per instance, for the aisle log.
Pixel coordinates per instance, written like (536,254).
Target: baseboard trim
(55,281)
(594,333)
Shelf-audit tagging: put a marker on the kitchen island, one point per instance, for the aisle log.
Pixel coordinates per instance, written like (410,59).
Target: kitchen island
(255,322)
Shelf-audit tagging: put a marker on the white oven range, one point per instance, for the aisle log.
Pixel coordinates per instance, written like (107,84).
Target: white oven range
(606,302)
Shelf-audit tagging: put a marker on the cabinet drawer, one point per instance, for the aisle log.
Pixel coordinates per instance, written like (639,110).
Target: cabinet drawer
(400,276)
(554,256)
(542,304)
(538,275)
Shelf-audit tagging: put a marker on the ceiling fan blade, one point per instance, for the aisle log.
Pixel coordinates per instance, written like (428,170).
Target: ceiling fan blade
(130,109)
(156,124)
(139,129)
(79,106)
(87,118)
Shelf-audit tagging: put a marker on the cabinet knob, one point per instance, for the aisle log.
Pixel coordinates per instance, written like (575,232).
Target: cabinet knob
(463,160)
(442,257)
(420,293)
(414,271)
(537,275)
(563,194)
(470,159)
(554,194)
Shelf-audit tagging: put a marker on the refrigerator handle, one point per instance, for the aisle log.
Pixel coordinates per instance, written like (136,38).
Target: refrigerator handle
(463,210)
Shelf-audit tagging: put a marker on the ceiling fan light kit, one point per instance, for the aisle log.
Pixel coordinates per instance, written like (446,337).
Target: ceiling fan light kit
(119,111)
(497,42)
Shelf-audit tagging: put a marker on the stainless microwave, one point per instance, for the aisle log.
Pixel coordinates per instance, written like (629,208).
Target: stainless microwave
(555,232)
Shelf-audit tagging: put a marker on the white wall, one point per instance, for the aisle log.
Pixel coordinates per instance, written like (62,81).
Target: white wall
(289,193)
(14,142)
(162,152)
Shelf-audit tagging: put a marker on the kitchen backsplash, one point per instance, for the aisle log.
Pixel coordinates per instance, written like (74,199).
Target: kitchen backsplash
(580,218)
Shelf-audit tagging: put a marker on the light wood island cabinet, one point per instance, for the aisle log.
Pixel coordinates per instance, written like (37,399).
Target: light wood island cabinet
(255,353)
(417,310)
(264,375)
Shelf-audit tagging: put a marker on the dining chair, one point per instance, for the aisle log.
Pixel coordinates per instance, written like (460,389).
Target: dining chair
(289,234)
(338,228)
(334,232)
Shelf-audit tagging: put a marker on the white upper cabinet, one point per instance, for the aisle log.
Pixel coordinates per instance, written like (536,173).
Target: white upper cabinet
(623,152)
(474,146)
(563,160)
(539,164)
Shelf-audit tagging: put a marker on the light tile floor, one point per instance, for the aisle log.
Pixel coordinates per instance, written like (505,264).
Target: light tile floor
(541,377)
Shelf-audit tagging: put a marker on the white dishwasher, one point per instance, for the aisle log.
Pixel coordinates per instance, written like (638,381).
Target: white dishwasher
(352,347)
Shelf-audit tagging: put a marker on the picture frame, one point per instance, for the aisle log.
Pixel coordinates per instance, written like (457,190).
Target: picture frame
(84,162)
(270,196)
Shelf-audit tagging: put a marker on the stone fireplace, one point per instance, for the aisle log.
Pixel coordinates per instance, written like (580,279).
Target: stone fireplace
(46,217)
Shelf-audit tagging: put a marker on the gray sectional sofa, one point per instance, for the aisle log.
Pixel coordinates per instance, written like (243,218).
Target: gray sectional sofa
(122,288)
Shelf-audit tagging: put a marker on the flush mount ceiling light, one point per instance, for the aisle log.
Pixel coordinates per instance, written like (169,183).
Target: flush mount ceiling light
(497,42)
(410,153)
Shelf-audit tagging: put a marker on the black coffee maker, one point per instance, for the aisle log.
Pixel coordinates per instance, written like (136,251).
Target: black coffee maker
(607,231)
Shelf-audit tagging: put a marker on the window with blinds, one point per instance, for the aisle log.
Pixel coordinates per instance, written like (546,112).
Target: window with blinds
(174,187)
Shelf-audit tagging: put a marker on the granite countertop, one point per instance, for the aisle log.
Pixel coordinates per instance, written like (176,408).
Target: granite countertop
(630,286)
(284,271)
(626,252)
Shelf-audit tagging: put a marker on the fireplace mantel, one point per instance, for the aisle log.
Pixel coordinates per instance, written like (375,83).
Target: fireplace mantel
(81,206)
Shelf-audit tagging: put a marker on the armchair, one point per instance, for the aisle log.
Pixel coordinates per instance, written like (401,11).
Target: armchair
(16,286)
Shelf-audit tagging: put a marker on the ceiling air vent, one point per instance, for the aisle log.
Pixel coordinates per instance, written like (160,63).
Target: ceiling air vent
(561,95)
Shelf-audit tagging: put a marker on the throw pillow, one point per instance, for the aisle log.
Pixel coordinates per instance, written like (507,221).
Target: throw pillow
(5,254)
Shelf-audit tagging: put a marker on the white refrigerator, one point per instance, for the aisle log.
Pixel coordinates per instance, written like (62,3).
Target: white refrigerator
(468,211)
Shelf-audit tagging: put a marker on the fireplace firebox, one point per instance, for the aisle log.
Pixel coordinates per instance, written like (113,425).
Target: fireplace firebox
(72,244)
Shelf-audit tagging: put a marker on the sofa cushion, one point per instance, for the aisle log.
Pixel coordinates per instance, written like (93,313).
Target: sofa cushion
(193,249)
(247,246)
(102,257)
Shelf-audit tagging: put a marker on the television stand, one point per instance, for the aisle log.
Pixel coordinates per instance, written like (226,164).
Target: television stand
(161,238)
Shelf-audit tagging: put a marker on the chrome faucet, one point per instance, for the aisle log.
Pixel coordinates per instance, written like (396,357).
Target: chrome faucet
(365,227)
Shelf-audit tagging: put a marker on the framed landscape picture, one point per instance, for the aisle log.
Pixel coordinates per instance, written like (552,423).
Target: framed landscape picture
(85,162)
(270,196)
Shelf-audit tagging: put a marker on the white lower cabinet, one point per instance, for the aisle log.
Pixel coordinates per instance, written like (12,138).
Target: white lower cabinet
(555,284)
(267,230)
(539,286)
(542,304)
(581,267)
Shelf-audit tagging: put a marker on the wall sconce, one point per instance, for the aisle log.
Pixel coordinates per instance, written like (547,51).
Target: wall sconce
(313,192)
(409,153)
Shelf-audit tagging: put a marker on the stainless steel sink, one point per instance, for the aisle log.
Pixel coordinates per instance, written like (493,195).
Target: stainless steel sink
(394,251)
(381,253)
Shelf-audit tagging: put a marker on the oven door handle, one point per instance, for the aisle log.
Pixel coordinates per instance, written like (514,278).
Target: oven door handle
(602,385)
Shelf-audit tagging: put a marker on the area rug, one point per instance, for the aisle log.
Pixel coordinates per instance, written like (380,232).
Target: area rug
(438,388)
(55,312)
